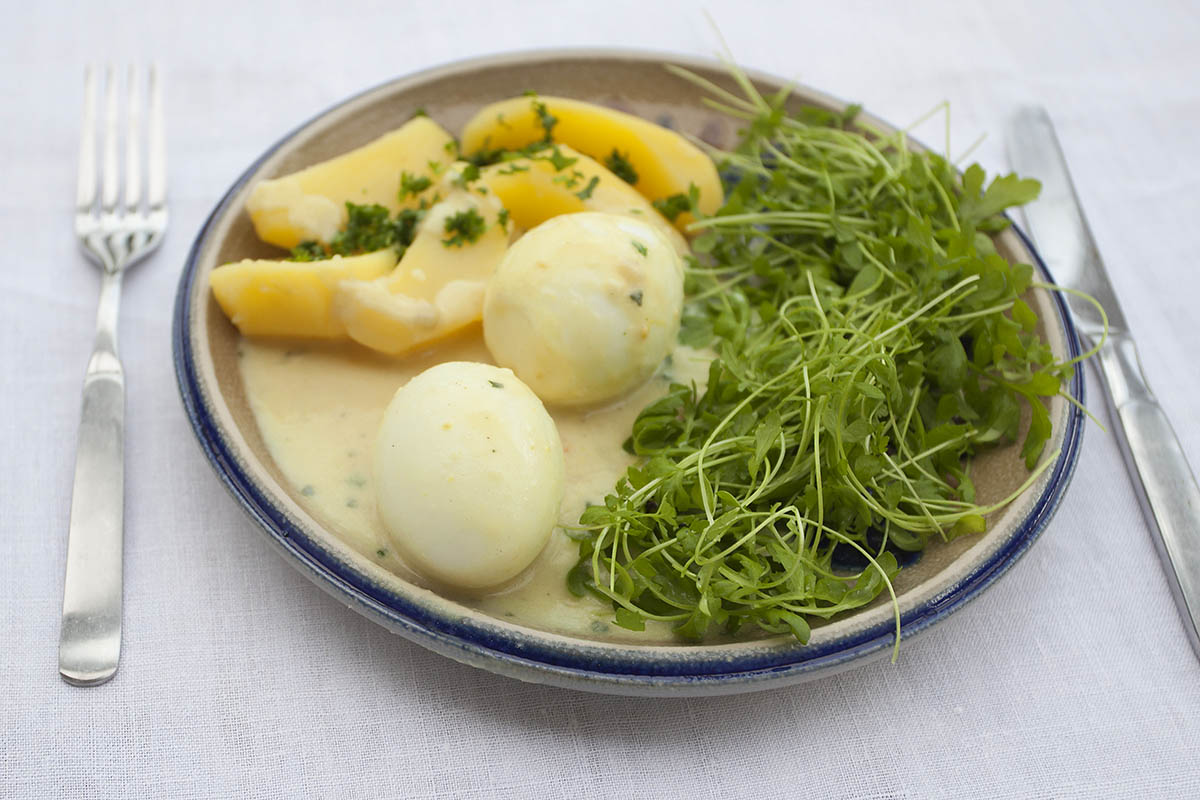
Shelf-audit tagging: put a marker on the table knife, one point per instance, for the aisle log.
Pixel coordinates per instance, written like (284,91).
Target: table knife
(1165,484)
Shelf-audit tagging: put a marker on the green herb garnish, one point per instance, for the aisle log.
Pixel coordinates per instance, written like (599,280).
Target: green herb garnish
(641,248)
(368,228)
(412,185)
(465,226)
(309,250)
(870,341)
(486,155)
(586,192)
(466,176)
(545,119)
(619,165)
(676,204)
(570,180)
(558,160)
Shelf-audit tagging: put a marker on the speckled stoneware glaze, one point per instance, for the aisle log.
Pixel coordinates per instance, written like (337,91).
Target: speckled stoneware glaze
(945,577)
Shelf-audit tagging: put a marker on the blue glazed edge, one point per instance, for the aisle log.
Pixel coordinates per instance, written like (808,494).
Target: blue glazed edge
(580,664)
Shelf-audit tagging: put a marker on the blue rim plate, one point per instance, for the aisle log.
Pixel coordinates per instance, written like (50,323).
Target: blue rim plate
(225,429)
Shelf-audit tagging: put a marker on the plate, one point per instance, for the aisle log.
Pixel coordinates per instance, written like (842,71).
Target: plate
(942,580)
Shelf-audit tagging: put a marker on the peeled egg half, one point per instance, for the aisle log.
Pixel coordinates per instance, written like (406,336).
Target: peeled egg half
(470,474)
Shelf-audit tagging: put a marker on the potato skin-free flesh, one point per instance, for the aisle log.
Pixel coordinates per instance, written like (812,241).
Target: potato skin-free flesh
(311,204)
(292,298)
(534,189)
(666,163)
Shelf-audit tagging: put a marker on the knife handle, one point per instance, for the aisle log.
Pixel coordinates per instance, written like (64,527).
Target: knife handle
(1166,485)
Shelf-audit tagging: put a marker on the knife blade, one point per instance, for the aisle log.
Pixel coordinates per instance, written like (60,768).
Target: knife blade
(1158,468)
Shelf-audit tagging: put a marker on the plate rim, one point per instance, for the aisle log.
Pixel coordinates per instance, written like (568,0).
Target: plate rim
(577,665)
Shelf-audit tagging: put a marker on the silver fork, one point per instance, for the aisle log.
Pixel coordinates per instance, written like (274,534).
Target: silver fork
(116,227)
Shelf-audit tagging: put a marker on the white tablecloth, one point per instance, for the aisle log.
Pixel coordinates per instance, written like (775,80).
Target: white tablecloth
(1069,678)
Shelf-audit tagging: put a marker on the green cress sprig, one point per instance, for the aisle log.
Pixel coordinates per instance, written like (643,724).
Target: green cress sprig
(870,340)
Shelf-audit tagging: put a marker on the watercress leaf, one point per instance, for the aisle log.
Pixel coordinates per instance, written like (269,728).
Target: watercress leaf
(766,435)
(947,364)
(1024,316)
(1038,435)
(630,620)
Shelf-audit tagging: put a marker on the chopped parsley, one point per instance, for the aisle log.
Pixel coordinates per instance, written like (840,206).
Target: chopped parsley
(586,192)
(545,119)
(531,149)
(570,181)
(412,185)
(496,384)
(502,219)
(558,160)
(368,228)
(486,155)
(465,226)
(636,296)
(309,250)
(468,174)
(671,207)
(619,164)
(641,248)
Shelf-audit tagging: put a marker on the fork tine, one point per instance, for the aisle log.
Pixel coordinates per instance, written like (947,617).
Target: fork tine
(133,150)
(110,190)
(85,196)
(156,194)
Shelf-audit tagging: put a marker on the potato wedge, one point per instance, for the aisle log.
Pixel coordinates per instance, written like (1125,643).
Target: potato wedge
(437,288)
(537,188)
(666,163)
(291,298)
(311,204)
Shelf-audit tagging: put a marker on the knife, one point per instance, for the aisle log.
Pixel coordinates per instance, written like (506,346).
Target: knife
(1165,484)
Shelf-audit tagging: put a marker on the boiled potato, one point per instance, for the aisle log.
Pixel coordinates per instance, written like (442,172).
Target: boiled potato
(311,204)
(436,290)
(665,162)
(535,189)
(291,298)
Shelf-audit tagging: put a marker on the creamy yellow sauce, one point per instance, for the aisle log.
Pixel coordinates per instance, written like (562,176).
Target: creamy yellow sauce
(319,406)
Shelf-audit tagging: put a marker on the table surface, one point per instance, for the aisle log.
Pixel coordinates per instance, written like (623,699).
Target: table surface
(1071,677)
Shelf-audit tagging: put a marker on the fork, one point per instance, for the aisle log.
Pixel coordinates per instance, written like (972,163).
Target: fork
(116,229)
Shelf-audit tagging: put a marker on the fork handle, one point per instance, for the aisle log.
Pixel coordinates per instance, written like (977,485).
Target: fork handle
(90,637)
(1164,482)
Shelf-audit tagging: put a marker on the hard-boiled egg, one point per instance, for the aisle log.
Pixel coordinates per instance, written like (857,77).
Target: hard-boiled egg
(470,475)
(585,307)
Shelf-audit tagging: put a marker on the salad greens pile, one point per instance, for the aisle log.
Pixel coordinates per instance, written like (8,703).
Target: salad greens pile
(870,340)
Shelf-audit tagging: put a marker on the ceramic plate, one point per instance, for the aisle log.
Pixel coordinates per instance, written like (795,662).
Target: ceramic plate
(945,577)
